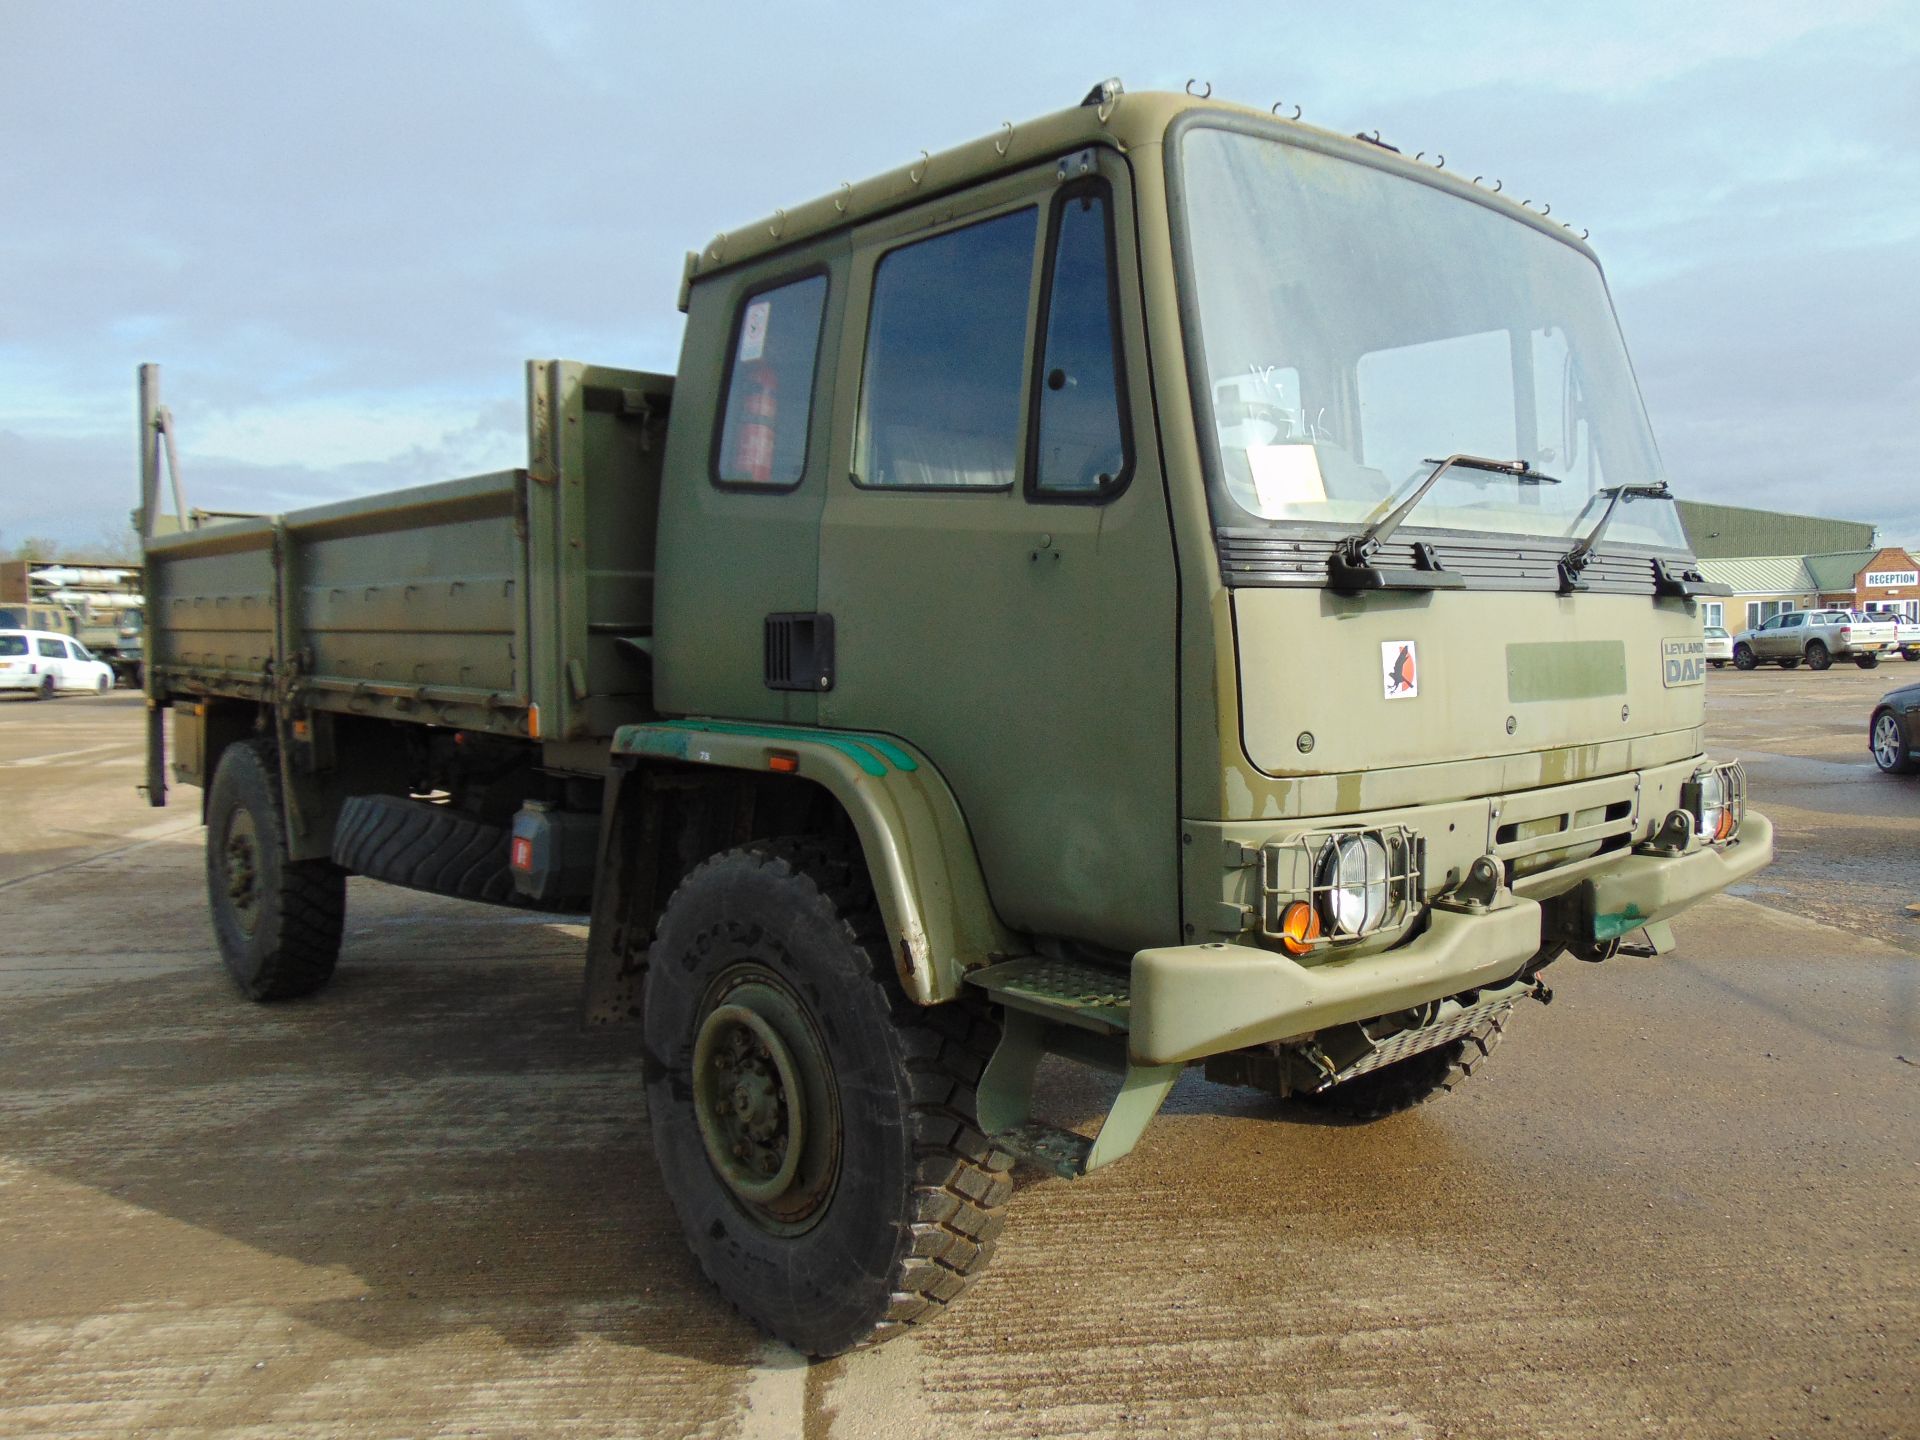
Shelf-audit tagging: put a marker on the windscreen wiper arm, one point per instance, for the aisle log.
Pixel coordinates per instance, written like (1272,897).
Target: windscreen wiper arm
(1351,568)
(1578,558)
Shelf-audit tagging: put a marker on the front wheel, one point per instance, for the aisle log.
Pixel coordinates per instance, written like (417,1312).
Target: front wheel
(106,684)
(815,1130)
(277,920)
(1818,657)
(1744,658)
(1892,751)
(1866,662)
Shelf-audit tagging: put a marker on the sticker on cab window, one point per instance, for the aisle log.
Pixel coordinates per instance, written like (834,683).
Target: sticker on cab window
(1399,669)
(753,330)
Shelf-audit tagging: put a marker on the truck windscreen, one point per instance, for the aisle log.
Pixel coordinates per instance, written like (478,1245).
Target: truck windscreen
(1354,322)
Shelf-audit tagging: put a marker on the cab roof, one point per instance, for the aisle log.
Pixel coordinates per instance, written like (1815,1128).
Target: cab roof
(1108,116)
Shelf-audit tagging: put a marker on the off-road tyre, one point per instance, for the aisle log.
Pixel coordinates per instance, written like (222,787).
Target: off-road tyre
(1414,1081)
(277,921)
(1818,656)
(1744,658)
(916,1196)
(424,846)
(1867,662)
(1890,744)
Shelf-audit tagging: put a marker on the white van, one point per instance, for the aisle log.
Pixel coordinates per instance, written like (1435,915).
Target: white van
(47,664)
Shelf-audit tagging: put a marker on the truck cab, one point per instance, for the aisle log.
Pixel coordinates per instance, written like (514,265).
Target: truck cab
(1067,455)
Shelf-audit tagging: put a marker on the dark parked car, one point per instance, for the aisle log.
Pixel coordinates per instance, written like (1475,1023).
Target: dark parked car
(1893,734)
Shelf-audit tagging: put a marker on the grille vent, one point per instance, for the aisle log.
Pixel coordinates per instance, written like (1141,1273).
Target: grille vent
(799,652)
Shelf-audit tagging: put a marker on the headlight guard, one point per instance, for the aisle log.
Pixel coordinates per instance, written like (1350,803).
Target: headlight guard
(1331,887)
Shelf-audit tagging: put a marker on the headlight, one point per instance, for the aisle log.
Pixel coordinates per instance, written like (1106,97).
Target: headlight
(1717,798)
(1352,884)
(1330,886)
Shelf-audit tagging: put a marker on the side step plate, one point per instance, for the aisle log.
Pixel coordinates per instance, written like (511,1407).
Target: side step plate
(1063,992)
(1077,1010)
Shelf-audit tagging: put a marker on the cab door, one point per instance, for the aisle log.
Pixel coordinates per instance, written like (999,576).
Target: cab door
(996,552)
(52,657)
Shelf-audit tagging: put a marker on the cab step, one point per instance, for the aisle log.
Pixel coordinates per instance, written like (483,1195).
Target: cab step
(1064,992)
(1080,1011)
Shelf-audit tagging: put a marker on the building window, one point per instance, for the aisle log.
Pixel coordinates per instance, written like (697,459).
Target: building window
(1710,613)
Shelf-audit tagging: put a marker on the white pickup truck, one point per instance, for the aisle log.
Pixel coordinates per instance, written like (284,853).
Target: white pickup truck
(1906,632)
(1819,637)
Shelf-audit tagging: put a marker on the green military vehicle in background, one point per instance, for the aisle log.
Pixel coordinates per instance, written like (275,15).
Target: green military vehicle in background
(1160,585)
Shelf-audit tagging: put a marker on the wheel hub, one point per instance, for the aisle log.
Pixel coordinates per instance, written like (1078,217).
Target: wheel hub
(242,870)
(751,1102)
(766,1100)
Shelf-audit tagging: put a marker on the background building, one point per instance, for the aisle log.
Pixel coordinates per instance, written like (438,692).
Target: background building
(1887,578)
(1723,532)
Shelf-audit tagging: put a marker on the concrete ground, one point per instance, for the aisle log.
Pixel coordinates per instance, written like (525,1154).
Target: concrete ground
(1684,1200)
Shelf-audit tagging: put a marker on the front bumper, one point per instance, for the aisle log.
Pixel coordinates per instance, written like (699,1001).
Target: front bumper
(1191,1001)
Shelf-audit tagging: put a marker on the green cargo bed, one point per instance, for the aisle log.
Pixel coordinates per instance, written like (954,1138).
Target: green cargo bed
(516,603)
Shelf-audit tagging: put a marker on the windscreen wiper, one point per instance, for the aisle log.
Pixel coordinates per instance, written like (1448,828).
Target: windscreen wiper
(1681,582)
(1350,568)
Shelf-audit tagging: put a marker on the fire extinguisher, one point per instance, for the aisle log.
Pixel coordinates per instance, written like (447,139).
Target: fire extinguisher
(753,445)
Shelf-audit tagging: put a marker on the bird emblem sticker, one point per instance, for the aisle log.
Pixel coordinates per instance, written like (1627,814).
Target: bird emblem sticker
(1400,669)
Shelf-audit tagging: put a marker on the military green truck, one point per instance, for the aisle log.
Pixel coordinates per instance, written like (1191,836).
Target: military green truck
(1162,585)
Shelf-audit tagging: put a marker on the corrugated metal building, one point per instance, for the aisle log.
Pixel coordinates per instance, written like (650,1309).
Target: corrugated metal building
(1721,532)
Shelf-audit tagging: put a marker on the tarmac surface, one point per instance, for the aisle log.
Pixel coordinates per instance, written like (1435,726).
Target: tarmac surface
(1682,1201)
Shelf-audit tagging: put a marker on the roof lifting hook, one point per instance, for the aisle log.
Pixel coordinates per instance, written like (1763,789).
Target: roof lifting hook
(841,200)
(1206,94)
(919,171)
(1439,162)
(1496,184)
(1280,105)
(1004,139)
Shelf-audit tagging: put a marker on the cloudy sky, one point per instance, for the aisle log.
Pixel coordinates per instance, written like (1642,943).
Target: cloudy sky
(342,227)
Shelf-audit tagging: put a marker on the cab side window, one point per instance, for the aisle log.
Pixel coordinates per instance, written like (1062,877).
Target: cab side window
(1080,434)
(764,423)
(52,649)
(946,355)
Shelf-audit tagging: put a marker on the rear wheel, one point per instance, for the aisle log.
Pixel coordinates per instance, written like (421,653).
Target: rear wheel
(48,689)
(1817,656)
(1892,749)
(815,1130)
(277,920)
(1415,1080)
(1744,658)
(1866,662)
